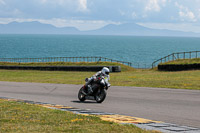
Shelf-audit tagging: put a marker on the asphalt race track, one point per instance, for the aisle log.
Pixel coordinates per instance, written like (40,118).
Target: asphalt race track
(176,106)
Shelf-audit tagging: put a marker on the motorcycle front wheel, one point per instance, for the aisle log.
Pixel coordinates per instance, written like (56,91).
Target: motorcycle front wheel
(100,95)
(81,96)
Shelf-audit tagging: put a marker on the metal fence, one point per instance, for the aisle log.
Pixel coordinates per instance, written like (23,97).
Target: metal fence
(171,57)
(176,56)
(62,59)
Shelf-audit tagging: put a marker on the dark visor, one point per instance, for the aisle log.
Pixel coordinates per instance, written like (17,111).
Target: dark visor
(107,73)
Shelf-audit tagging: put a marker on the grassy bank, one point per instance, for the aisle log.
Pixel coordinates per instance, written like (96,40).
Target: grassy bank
(123,67)
(183,61)
(140,78)
(23,118)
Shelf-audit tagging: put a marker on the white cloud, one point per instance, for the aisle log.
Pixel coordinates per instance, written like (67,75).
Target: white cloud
(2,2)
(80,24)
(185,14)
(58,2)
(83,5)
(76,5)
(68,12)
(154,5)
(134,15)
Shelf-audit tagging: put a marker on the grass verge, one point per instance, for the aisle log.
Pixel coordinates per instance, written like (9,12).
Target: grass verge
(123,67)
(183,62)
(128,76)
(139,78)
(20,117)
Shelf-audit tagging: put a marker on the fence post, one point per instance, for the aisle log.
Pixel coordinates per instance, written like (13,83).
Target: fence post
(168,58)
(196,54)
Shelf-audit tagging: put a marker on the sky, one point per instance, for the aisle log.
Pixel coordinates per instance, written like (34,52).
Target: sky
(183,15)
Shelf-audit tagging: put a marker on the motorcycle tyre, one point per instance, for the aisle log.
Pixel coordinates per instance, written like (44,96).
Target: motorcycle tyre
(81,98)
(103,93)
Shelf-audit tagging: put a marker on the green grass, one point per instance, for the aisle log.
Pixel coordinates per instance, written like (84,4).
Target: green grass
(139,78)
(24,118)
(183,61)
(152,78)
(123,67)
(128,76)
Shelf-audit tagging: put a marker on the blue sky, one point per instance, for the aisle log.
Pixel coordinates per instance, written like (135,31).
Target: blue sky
(91,14)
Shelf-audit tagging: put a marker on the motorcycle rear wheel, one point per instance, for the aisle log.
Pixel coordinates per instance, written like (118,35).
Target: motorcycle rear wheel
(81,96)
(100,96)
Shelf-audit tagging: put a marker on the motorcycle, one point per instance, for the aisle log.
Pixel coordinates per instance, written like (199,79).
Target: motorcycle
(99,90)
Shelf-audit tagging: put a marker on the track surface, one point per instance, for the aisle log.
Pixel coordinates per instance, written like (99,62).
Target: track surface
(176,106)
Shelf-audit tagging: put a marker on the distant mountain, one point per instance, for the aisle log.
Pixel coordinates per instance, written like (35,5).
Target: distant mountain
(138,30)
(34,28)
(123,29)
(111,29)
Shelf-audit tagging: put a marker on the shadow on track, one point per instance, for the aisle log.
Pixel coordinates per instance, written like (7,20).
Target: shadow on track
(86,102)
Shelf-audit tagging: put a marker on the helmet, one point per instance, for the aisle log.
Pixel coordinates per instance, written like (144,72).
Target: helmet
(105,71)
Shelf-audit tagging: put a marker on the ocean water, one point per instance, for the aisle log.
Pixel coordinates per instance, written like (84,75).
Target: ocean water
(138,50)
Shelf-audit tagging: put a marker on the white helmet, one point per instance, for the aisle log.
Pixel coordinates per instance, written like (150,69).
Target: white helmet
(105,71)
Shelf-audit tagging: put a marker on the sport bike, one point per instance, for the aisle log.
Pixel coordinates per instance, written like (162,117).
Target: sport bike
(99,88)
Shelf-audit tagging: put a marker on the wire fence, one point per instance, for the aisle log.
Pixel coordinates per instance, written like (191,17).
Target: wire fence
(62,59)
(171,57)
(176,56)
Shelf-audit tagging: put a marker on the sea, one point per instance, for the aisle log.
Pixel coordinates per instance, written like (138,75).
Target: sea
(140,50)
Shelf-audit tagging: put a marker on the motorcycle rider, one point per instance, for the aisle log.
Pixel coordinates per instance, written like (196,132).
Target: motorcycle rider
(104,72)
